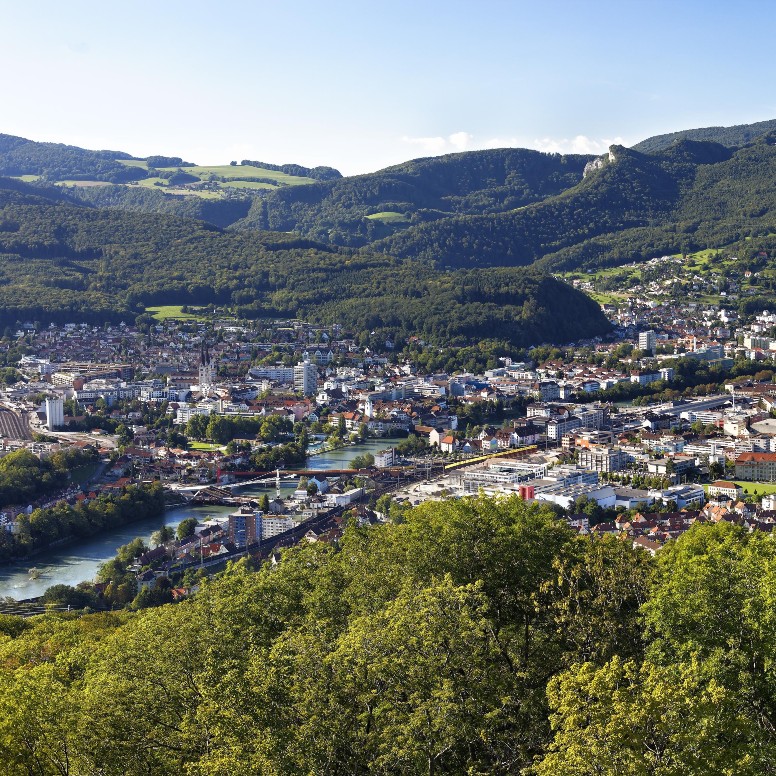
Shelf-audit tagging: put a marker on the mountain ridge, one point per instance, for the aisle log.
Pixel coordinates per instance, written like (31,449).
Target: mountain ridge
(63,261)
(500,207)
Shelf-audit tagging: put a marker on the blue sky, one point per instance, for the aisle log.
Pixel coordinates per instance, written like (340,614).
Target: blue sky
(360,85)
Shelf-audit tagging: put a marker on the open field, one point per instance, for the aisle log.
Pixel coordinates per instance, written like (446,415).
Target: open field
(606,298)
(754,488)
(607,272)
(206,446)
(389,217)
(163,312)
(757,488)
(150,183)
(181,191)
(142,163)
(27,178)
(243,171)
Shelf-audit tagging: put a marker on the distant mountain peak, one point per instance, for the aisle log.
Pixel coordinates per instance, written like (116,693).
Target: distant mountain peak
(734,136)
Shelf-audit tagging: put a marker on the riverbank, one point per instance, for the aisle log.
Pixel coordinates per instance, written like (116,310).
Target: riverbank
(79,561)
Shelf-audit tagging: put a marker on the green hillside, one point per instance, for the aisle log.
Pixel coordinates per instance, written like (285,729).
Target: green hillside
(498,208)
(348,211)
(693,195)
(80,169)
(56,161)
(243,172)
(503,207)
(732,137)
(60,261)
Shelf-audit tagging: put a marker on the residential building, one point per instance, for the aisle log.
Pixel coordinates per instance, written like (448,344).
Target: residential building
(244,527)
(647,342)
(557,427)
(272,525)
(306,378)
(385,458)
(602,459)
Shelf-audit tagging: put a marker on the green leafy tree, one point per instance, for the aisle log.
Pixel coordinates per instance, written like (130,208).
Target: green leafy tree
(362,461)
(163,535)
(186,527)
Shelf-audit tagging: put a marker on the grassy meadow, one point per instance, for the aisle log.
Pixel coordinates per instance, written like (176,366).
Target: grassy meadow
(163,312)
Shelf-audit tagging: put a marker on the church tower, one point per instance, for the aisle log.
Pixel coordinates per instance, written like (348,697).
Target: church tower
(206,370)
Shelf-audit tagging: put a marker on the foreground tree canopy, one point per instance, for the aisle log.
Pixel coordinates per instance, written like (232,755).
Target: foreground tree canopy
(477,636)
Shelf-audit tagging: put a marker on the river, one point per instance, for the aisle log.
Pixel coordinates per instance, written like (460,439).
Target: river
(79,562)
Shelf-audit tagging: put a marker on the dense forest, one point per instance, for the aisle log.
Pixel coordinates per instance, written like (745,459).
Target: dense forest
(219,212)
(476,636)
(321,173)
(504,207)
(732,137)
(60,261)
(358,210)
(513,207)
(635,205)
(56,161)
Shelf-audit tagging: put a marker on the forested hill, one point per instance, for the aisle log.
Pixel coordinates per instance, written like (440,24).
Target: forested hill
(56,161)
(479,636)
(732,137)
(136,199)
(692,195)
(358,210)
(60,261)
(501,207)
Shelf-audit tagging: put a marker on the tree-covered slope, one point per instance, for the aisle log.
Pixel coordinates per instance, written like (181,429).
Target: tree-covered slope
(56,161)
(219,212)
(358,210)
(479,636)
(729,200)
(629,189)
(732,137)
(60,261)
(693,194)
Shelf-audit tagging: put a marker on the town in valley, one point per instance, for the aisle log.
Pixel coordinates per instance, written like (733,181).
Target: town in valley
(666,422)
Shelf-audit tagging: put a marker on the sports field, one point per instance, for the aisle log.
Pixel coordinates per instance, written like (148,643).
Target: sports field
(163,312)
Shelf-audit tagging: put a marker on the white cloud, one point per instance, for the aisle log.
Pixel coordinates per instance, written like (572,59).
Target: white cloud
(460,140)
(465,141)
(457,141)
(577,145)
(431,145)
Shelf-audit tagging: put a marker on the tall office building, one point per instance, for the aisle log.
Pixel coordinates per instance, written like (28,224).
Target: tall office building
(244,527)
(306,378)
(647,342)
